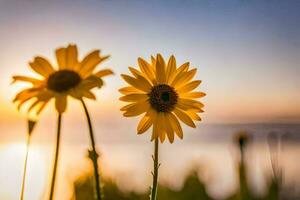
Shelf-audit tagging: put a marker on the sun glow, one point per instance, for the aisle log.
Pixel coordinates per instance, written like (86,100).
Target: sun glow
(11,171)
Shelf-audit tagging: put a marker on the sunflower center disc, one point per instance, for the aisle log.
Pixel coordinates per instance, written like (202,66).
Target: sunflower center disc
(163,98)
(63,80)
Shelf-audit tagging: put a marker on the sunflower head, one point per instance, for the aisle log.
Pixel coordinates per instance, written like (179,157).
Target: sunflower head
(71,77)
(163,98)
(164,93)
(63,80)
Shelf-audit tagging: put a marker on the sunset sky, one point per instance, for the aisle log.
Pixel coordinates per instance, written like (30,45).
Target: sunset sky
(247,54)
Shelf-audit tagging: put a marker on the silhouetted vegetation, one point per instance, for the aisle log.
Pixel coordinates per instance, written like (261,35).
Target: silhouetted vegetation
(193,188)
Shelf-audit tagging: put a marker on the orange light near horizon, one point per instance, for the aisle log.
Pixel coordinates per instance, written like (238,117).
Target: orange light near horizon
(11,171)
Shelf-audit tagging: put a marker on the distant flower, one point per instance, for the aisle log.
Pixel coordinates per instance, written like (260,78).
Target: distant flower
(164,93)
(72,78)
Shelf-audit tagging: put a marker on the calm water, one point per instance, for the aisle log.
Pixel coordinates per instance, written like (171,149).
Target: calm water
(127,159)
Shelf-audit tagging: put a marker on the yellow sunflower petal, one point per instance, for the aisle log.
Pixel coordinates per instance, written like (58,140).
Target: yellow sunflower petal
(61,103)
(185,118)
(146,122)
(43,105)
(42,66)
(76,93)
(89,95)
(183,78)
(135,72)
(27,93)
(90,62)
(34,81)
(22,102)
(193,95)
(153,64)
(45,95)
(157,126)
(188,87)
(61,57)
(72,56)
(33,105)
(168,128)
(160,69)
(90,82)
(136,109)
(182,68)
(176,125)
(134,97)
(194,115)
(188,104)
(155,130)
(147,69)
(103,72)
(140,82)
(67,58)
(42,99)
(162,137)
(130,90)
(171,68)
(124,108)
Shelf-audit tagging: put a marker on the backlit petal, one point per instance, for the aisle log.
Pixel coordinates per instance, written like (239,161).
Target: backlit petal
(193,115)
(171,68)
(147,69)
(155,130)
(103,72)
(72,57)
(61,57)
(135,97)
(90,62)
(188,104)
(34,81)
(185,118)
(136,109)
(146,122)
(160,69)
(183,78)
(135,72)
(193,95)
(89,95)
(188,87)
(42,66)
(130,90)
(176,125)
(140,83)
(168,128)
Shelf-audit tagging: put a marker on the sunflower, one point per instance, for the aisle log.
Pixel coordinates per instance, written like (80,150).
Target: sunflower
(72,78)
(165,94)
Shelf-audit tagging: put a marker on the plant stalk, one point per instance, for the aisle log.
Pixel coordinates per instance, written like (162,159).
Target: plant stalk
(155,171)
(56,156)
(25,169)
(93,153)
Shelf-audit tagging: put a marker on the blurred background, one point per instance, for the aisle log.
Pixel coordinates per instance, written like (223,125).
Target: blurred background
(246,53)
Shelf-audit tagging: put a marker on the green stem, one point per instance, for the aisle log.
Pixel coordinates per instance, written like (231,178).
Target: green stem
(25,169)
(56,157)
(93,154)
(155,172)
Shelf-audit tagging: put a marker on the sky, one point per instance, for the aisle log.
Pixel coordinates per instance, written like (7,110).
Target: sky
(247,54)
